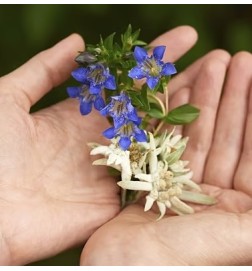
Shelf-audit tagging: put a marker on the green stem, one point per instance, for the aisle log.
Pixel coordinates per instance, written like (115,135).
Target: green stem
(123,197)
(165,109)
(166,100)
(158,101)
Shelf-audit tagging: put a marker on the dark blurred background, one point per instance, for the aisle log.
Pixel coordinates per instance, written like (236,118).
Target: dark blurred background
(28,29)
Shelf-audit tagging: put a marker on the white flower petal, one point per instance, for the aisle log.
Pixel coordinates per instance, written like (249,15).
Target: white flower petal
(103,162)
(186,176)
(144,177)
(153,161)
(181,206)
(142,160)
(135,185)
(112,159)
(99,150)
(158,150)
(181,143)
(190,184)
(149,202)
(162,209)
(197,198)
(175,140)
(168,204)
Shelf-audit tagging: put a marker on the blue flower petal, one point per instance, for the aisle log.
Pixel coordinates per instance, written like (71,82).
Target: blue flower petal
(95,89)
(138,121)
(105,111)
(124,143)
(73,92)
(136,73)
(168,69)
(140,54)
(140,136)
(110,83)
(85,107)
(110,133)
(99,103)
(132,115)
(80,75)
(158,52)
(152,82)
(119,121)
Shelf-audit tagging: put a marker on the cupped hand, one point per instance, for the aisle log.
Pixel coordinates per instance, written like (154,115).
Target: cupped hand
(220,153)
(51,197)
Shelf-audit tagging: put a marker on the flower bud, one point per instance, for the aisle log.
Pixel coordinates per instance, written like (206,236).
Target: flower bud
(85,57)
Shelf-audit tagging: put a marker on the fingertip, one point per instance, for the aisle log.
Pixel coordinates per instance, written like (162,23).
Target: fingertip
(189,32)
(72,43)
(177,41)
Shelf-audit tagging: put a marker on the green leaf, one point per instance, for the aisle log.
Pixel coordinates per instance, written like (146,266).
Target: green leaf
(139,43)
(183,114)
(135,98)
(108,43)
(155,113)
(144,98)
(125,80)
(136,34)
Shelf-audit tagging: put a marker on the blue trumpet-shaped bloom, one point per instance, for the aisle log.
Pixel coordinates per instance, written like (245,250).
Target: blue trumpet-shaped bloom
(121,110)
(97,76)
(151,67)
(126,132)
(86,98)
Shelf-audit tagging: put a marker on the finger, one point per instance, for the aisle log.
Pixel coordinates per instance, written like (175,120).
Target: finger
(204,95)
(227,142)
(243,176)
(177,41)
(186,78)
(44,71)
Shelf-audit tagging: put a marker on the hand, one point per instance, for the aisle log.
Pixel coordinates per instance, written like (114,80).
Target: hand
(51,197)
(219,152)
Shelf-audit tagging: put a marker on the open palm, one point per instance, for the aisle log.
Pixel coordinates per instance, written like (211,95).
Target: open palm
(51,197)
(219,151)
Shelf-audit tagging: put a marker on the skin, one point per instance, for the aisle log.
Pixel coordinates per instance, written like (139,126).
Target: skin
(220,154)
(51,197)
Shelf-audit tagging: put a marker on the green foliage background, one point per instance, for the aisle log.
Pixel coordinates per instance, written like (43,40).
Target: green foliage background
(27,29)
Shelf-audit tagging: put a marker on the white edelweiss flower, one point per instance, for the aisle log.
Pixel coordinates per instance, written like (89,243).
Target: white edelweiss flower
(179,167)
(171,147)
(137,155)
(115,157)
(164,187)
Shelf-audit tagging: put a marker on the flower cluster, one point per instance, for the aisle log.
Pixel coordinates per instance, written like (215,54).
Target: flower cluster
(147,161)
(157,169)
(95,78)
(126,121)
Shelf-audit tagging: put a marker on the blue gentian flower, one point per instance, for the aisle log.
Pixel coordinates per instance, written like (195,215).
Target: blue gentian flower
(121,110)
(97,76)
(86,98)
(125,132)
(152,68)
